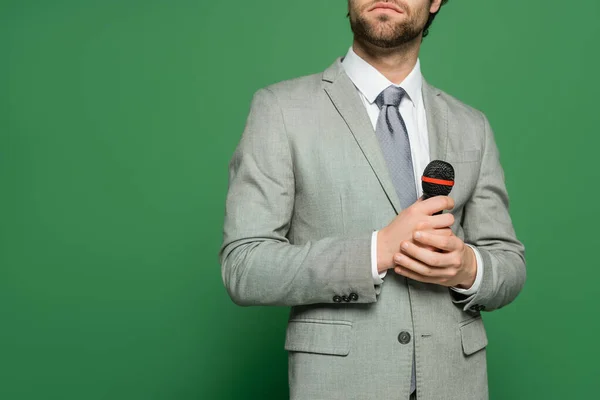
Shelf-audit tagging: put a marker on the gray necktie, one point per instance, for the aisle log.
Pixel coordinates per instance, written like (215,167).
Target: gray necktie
(395,146)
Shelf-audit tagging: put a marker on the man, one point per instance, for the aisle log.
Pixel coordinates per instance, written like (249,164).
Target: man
(324,214)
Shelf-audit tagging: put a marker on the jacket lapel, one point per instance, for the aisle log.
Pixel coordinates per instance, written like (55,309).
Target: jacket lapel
(346,100)
(436,111)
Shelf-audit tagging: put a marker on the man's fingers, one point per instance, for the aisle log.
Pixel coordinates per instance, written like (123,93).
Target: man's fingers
(418,270)
(426,258)
(440,232)
(442,242)
(405,262)
(436,204)
(441,221)
(425,226)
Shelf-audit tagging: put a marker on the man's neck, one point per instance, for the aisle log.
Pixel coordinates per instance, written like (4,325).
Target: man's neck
(395,64)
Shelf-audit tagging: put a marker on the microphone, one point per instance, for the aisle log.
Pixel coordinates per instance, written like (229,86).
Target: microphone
(437,180)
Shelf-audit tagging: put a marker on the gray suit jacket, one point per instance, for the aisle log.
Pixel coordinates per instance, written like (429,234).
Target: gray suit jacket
(308,185)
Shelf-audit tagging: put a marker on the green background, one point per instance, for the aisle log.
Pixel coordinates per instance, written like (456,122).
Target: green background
(117,123)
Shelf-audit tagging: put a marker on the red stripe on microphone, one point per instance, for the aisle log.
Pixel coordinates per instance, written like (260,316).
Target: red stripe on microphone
(437,181)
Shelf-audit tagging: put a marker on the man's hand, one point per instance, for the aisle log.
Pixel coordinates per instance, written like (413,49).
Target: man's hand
(419,217)
(437,258)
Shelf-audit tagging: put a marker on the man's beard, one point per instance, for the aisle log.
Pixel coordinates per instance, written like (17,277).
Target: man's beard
(384,34)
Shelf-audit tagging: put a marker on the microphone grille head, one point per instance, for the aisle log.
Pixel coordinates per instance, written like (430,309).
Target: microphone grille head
(440,171)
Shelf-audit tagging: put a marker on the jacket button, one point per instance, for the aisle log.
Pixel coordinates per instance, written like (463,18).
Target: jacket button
(353,297)
(337,299)
(404,337)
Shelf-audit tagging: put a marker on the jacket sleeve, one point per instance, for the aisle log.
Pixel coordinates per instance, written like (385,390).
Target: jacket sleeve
(259,265)
(488,226)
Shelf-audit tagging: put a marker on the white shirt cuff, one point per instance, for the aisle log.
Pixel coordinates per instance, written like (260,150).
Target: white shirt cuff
(377,277)
(473,289)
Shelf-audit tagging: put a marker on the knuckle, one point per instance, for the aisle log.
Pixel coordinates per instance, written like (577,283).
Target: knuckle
(446,242)
(456,261)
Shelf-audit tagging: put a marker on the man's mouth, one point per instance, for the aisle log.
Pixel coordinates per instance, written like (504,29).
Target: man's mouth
(381,6)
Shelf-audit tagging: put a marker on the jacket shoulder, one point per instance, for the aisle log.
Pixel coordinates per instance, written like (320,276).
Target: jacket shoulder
(460,109)
(303,88)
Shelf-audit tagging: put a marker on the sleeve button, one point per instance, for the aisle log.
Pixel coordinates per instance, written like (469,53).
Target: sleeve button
(404,337)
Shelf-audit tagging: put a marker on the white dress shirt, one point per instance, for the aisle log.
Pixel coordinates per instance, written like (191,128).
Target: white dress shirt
(370,83)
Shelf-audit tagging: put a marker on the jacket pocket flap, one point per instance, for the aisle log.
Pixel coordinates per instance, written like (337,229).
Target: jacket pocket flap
(319,336)
(473,336)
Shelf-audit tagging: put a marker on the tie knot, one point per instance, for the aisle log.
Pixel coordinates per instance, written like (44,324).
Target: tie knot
(391,96)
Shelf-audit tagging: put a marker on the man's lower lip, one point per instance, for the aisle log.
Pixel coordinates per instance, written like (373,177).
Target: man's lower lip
(385,9)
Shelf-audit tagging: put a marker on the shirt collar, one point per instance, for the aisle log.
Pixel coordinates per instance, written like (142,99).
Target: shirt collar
(370,82)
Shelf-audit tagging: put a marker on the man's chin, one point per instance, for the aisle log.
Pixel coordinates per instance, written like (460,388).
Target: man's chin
(383,40)
(384,26)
